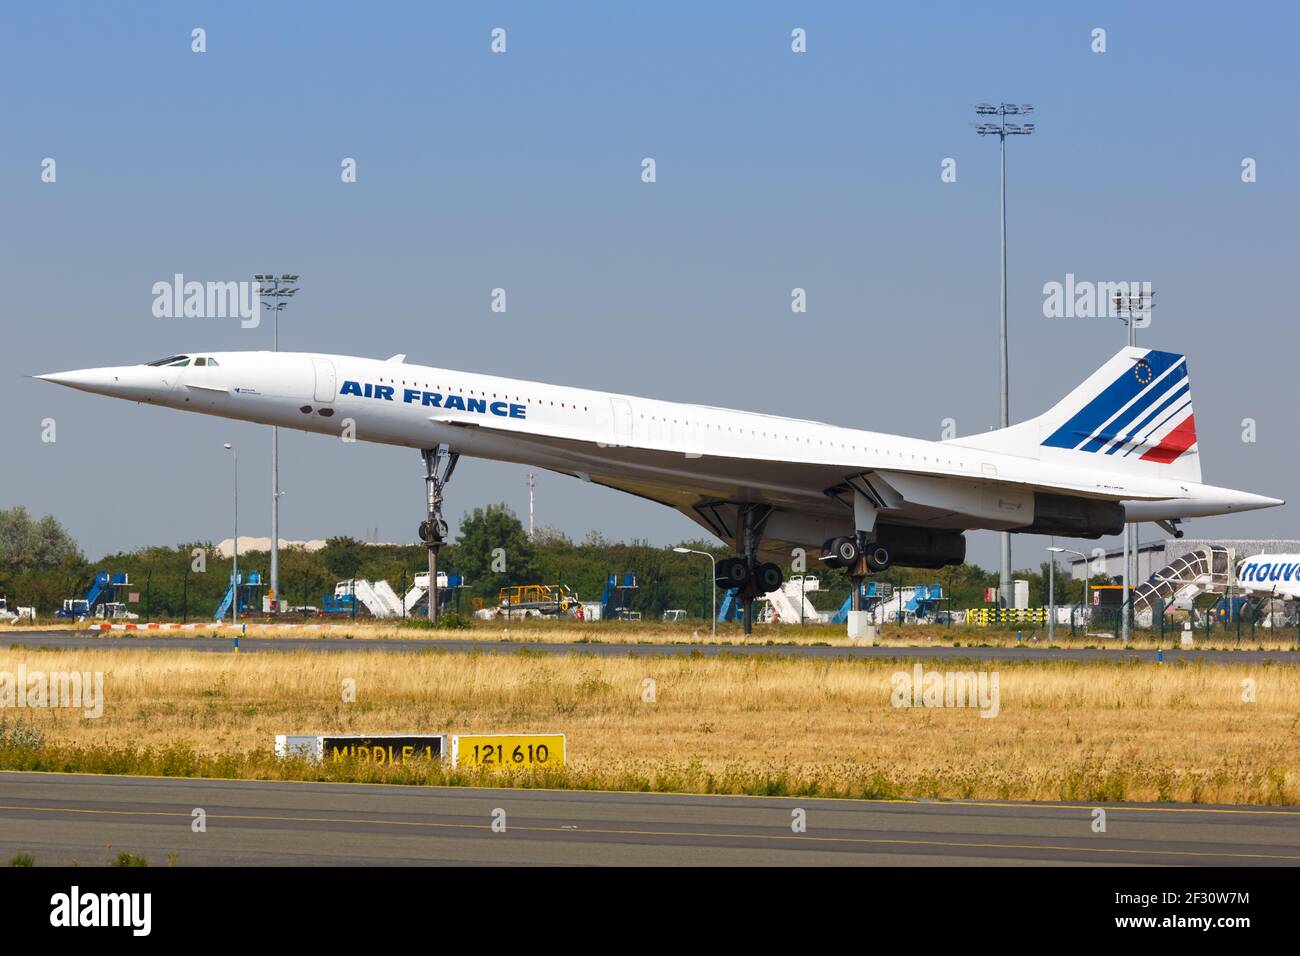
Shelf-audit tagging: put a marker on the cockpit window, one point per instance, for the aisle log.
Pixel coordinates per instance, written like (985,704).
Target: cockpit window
(212,361)
(169,360)
(181,364)
(198,362)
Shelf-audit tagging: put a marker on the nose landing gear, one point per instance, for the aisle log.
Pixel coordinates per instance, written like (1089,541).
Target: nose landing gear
(439,463)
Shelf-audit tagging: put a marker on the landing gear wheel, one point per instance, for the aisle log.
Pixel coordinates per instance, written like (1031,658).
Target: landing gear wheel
(733,573)
(840,552)
(435,533)
(768,577)
(878,557)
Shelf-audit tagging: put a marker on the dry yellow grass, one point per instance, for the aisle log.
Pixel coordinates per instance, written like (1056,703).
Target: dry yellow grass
(1065,731)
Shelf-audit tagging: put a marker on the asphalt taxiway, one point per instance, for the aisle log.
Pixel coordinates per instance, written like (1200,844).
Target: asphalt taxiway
(408,645)
(68,818)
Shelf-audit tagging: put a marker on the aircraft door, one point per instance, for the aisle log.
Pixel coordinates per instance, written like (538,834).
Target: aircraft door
(326,383)
(622,409)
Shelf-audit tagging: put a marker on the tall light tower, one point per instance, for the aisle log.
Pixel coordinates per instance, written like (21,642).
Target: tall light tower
(1130,308)
(532,484)
(275,295)
(234,556)
(1002,129)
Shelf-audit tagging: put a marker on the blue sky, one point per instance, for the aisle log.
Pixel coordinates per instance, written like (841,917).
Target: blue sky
(522,171)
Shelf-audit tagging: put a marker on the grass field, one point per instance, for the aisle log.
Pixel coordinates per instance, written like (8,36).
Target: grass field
(1078,731)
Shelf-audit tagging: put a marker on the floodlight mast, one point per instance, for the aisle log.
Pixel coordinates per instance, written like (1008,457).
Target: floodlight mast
(279,291)
(1130,308)
(1002,129)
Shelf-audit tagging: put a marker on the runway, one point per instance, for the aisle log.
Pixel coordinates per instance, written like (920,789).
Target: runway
(67,818)
(411,645)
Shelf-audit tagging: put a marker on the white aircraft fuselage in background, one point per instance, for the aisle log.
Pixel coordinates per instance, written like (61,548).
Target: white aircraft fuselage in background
(1121,447)
(1274,574)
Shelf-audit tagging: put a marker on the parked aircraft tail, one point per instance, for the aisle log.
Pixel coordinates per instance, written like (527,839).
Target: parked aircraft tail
(1134,415)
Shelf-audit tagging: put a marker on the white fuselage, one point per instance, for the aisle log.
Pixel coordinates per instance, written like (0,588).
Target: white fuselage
(641,445)
(1275,574)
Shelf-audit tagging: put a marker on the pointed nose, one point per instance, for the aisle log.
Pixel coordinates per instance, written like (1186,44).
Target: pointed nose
(127,381)
(101,380)
(78,379)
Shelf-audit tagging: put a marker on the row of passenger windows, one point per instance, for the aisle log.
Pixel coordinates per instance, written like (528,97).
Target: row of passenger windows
(795,438)
(528,401)
(655,418)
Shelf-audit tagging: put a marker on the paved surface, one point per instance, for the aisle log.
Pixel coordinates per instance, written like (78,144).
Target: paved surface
(62,818)
(408,645)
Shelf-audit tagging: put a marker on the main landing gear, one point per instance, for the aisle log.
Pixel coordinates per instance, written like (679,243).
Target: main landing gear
(854,551)
(746,574)
(439,463)
(859,556)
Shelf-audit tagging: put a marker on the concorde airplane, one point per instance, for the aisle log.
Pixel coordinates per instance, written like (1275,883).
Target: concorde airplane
(1120,447)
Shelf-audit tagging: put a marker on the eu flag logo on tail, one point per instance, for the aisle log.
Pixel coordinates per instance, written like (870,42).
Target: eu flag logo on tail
(1146,409)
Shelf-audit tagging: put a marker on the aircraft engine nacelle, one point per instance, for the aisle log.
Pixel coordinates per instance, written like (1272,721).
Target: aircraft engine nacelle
(1075,517)
(921,547)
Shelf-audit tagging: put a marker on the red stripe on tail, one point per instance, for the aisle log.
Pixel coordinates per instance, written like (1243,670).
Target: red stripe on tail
(1175,443)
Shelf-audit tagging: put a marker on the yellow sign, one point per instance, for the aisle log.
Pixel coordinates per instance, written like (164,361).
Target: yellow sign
(508,751)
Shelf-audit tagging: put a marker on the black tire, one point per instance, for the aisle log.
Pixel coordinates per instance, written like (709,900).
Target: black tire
(435,532)
(733,574)
(878,557)
(840,552)
(768,577)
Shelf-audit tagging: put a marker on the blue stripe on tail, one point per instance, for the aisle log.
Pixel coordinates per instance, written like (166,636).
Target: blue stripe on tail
(1115,396)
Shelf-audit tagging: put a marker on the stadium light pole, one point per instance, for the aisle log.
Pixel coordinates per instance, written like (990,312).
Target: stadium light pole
(1130,308)
(1084,558)
(713,582)
(279,290)
(234,550)
(1002,129)
(1051,593)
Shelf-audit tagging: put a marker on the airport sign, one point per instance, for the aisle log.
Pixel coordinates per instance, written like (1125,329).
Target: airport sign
(508,751)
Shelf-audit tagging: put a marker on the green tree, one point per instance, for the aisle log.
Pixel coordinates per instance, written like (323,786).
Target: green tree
(27,545)
(343,556)
(493,551)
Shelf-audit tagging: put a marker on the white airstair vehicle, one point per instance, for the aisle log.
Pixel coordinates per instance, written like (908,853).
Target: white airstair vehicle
(1182,580)
(789,603)
(376,597)
(416,600)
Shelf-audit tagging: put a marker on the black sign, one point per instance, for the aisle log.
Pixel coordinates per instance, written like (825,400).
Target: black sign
(383,748)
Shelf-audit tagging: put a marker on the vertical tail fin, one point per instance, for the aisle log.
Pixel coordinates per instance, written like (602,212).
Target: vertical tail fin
(1133,415)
